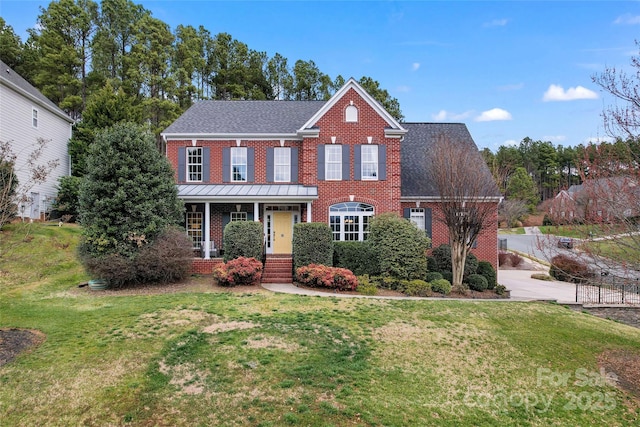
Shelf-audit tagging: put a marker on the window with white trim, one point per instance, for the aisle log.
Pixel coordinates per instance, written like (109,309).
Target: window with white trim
(238,164)
(350,221)
(282,164)
(333,162)
(369,161)
(194,164)
(351,114)
(417,217)
(34,117)
(194,228)
(238,216)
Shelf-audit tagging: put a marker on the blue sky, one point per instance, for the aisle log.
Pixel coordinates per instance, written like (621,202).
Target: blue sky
(508,69)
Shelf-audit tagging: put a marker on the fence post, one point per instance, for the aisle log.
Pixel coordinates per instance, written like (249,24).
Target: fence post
(599,293)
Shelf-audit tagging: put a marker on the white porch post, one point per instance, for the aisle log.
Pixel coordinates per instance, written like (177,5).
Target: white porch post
(256,214)
(207,233)
(308,211)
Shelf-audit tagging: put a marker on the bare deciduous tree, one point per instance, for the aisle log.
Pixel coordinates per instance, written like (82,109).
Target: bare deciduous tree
(512,210)
(468,196)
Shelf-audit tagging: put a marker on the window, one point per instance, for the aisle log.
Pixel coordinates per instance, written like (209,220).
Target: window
(194,228)
(194,164)
(34,118)
(238,216)
(333,162)
(351,114)
(369,161)
(417,217)
(350,221)
(239,164)
(282,164)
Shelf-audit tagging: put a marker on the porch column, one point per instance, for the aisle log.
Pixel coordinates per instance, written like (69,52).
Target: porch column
(207,230)
(308,211)
(256,213)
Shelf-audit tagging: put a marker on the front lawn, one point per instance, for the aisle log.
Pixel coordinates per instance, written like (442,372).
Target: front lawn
(263,359)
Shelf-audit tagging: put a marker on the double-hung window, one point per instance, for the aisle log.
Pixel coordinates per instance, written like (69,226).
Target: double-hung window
(194,164)
(282,164)
(34,117)
(333,162)
(417,217)
(238,164)
(369,160)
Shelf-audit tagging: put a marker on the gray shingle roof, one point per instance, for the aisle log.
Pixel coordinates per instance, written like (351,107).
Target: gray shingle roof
(244,117)
(12,78)
(415,151)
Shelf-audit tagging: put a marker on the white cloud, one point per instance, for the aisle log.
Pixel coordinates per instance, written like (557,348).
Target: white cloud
(627,19)
(510,143)
(447,116)
(554,138)
(557,93)
(415,66)
(496,23)
(493,115)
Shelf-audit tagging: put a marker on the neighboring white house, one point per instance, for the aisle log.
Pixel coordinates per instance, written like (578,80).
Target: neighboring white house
(26,115)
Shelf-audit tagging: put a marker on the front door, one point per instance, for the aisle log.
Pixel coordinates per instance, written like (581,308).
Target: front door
(282,232)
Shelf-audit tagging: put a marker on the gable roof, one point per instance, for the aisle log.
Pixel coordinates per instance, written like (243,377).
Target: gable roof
(231,119)
(13,80)
(417,180)
(394,128)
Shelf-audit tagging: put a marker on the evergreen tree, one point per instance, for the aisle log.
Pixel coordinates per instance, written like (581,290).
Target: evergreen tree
(522,187)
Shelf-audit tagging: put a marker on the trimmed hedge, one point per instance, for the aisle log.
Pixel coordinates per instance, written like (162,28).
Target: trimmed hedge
(399,246)
(477,282)
(317,275)
(442,286)
(433,275)
(418,288)
(243,239)
(359,257)
(486,269)
(312,244)
(239,271)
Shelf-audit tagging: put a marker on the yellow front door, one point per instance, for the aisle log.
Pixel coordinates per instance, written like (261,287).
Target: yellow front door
(282,232)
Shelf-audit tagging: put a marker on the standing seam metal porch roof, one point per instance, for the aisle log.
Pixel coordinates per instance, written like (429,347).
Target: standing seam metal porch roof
(253,191)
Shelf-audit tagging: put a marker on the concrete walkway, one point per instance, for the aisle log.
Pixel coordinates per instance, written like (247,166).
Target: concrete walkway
(519,282)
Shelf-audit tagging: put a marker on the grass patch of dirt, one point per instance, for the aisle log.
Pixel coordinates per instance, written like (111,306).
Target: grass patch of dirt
(15,341)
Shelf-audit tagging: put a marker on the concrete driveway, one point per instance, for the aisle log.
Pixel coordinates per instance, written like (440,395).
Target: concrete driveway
(524,288)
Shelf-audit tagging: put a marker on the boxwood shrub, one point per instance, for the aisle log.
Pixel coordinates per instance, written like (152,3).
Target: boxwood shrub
(312,244)
(243,239)
(486,269)
(442,258)
(418,288)
(477,282)
(441,286)
(433,275)
(359,257)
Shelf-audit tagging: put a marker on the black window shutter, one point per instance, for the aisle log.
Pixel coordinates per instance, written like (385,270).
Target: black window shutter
(294,164)
(270,167)
(406,213)
(357,162)
(346,166)
(427,222)
(251,155)
(382,162)
(321,162)
(206,164)
(182,164)
(226,164)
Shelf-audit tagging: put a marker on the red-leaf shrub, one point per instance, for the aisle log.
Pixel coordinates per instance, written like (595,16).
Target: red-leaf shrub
(508,258)
(503,257)
(567,269)
(516,260)
(238,271)
(321,276)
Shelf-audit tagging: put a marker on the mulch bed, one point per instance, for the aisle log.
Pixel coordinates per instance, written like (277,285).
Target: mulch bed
(626,367)
(14,341)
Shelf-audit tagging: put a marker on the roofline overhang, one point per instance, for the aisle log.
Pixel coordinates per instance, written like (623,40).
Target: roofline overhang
(230,136)
(58,112)
(395,133)
(405,199)
(253,199)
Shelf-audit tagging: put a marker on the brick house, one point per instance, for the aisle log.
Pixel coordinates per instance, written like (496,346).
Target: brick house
(339,162)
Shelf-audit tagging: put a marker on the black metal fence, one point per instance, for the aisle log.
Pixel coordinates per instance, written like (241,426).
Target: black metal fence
(609,289)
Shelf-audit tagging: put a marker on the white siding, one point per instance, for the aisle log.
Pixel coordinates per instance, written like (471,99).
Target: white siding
(16,126)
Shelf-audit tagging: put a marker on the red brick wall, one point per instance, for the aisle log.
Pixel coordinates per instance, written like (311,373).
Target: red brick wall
(487,247)
(204,266)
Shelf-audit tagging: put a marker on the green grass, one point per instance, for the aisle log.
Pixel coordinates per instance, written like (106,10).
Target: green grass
(517,230)
(623,249)
(263,359)
(582,231)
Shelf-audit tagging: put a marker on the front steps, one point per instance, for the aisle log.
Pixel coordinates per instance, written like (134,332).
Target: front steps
(278,269)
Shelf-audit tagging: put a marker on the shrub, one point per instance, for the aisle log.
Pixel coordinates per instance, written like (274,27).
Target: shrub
(387,282)
(238,271)
(66,202)
(434,275)
(321,276)
(477,282)
(442,286)
(447,275)
(432,265)
(418,288)
(442,257)
(116,269)
(312,244)
(399,246)
(8,188)
(243,239)
(501,289)
(358,257)
(366,286)
(166,260)
(567,269)
(509,258)
(541,276)
(503,258)
(462,289)
(486,269)
(515,259)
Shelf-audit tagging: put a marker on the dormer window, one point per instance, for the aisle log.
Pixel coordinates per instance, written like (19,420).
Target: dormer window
(351,114)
